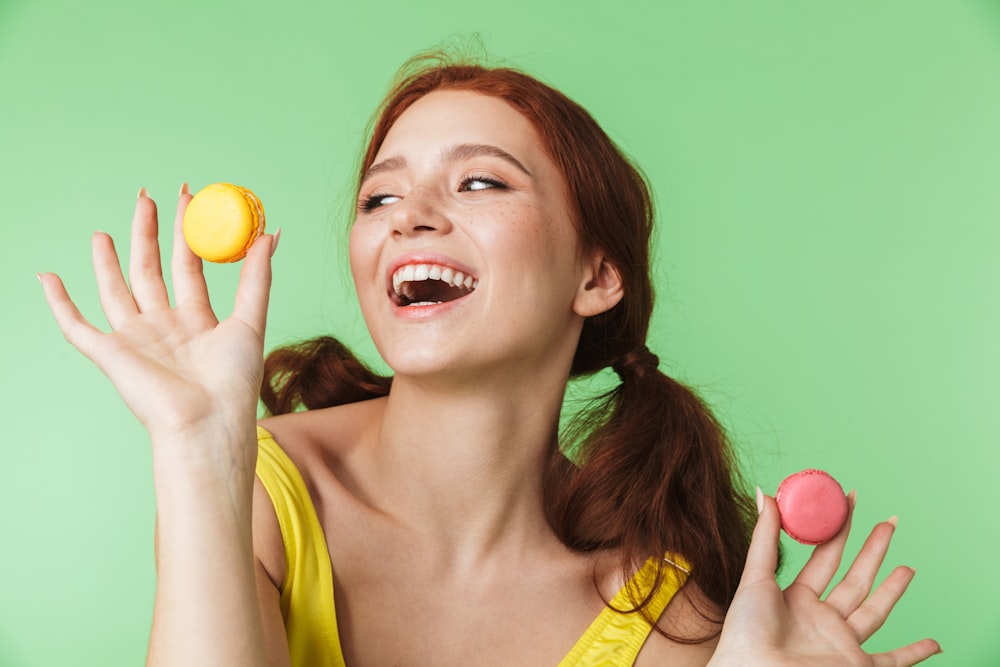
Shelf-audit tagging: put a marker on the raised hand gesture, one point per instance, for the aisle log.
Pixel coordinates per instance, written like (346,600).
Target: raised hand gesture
(797,626)
(178,368)
(193,382)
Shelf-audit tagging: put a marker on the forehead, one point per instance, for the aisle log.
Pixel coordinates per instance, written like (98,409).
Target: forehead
(447,117)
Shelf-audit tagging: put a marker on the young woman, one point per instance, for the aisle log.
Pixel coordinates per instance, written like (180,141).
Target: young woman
(500,247)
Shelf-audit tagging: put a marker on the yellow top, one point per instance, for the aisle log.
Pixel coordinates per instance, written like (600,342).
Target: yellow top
(613,639)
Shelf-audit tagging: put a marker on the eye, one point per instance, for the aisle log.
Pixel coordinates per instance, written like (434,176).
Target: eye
(474,183)
(369,203)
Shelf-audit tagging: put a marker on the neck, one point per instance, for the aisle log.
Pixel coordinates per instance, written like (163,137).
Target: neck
(463,465)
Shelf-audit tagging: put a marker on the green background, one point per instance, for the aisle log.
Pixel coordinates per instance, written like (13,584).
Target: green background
(828,181)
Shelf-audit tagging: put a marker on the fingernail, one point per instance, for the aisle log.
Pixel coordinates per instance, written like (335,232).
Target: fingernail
(893,520)
(274,241)
(185,190)
(142,193)
(760,501)
(39,276)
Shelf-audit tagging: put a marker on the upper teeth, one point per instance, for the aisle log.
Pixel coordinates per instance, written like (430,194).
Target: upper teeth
(417,272)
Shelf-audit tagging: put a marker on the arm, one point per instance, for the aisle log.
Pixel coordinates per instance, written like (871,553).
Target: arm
(269,547)
(192,381)
(769,626)
(206,608)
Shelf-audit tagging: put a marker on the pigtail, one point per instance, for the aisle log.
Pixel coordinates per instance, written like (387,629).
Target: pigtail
(653,474)
(317,373)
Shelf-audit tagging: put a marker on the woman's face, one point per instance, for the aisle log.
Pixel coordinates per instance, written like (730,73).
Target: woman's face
(463,252)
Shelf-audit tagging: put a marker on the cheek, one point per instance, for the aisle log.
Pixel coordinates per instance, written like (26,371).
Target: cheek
(360,253)
(552,238)
(542,228)
(542,243)
(363,258)
(516,237)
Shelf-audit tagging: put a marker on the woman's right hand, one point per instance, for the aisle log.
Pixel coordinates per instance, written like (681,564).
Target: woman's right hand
(193,382)
(178,368)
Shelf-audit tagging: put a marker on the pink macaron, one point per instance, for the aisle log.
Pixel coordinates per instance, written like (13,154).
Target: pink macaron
(813,506)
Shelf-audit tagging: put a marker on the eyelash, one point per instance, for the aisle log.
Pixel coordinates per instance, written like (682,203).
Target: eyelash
(369,203)
(492,182)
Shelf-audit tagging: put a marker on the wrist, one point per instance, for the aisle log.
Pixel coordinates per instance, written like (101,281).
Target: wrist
(202,460)
(204,440)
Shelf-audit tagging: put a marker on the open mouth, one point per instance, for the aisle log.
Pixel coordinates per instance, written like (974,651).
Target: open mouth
(429,284)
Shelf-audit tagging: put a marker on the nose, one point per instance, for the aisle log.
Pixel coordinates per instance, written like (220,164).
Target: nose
(418,213)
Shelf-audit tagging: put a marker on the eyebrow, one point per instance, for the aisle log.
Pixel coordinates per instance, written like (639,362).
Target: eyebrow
(466,151)
(453,154)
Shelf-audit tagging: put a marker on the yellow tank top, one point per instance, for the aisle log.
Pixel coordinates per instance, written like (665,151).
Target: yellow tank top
(612,640)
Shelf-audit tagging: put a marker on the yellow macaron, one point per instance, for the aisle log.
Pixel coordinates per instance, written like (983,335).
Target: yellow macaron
(222,221)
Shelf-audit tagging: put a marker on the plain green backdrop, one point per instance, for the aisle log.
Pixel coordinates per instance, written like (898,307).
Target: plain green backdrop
(828,180)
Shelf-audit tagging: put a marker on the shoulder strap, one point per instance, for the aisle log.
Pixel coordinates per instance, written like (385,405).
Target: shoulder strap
(615,637)
(307,594)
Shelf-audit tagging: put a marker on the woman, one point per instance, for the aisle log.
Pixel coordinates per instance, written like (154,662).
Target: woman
(500,247)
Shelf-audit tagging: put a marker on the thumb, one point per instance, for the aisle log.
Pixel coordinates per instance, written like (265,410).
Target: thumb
(255,284)
(762,558)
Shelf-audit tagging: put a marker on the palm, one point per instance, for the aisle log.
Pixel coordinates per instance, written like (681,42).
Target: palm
(174,366)
(189,368)
(811,631)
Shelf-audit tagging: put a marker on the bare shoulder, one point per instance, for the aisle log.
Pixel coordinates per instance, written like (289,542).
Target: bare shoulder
(690,615)
(310,438)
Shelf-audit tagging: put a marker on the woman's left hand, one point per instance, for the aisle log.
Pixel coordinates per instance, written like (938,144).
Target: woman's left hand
(769,626)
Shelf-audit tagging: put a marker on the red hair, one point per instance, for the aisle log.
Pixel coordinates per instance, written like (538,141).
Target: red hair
(651,469)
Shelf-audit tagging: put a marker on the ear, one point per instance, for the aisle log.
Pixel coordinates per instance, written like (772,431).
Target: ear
(601,288)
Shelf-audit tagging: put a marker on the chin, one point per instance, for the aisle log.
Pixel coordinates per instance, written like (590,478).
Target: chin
(418,360)
(426,363)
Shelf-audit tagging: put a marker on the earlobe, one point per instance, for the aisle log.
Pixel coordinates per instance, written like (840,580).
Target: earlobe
(601,289)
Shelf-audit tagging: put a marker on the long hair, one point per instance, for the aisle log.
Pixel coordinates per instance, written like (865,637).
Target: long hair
(651,472)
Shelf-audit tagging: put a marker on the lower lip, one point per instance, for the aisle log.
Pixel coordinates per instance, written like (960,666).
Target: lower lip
(428,311)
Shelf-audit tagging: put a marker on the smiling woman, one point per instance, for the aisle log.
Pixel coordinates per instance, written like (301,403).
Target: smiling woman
(500,247)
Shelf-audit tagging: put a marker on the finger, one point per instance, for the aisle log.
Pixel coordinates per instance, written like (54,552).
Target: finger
(762,558)
(187,268)
(74,326)
(145,274)
(116,299)
(869,617)
(255,285)
(909,655)
(825,559)
(856,585)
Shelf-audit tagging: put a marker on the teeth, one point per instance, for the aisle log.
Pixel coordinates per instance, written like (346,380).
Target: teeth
(418,272)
